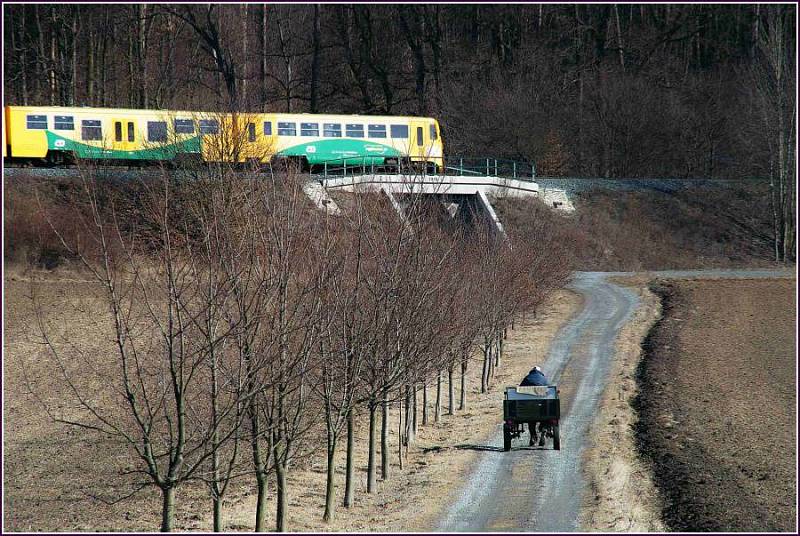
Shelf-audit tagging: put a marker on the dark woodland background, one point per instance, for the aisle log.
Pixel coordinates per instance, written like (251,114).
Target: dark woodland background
(596,90)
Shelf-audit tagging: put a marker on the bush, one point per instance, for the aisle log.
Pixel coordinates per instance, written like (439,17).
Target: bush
(29,238)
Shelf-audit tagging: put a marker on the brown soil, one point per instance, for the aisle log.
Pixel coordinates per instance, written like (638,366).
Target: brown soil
(59,478)
(622,496)
(718,405)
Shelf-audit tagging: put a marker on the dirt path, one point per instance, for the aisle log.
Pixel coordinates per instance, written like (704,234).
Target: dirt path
(541,489)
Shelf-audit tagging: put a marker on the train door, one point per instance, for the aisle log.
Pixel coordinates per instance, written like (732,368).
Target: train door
(258,135)
(270,140)
(419,141)
(124,135)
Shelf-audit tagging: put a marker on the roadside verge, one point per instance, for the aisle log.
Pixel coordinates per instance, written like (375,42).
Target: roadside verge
(621,496)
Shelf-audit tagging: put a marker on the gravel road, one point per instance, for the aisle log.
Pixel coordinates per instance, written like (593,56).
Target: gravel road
(541,490)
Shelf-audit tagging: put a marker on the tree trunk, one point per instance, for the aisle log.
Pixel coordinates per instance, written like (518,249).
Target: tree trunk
(436,51)
(73,59)
(217,514)
(90,68)
(53,69)
(141,55)
(103,69)
(424,404)
(261,502)
(260,465)
(350,469)
(385,437)
(413,413)
(756,20)
(24,60)
(438,411)
(451,391)
(245,60)
(371,458)
(168,508)
(407,424)
(315,61)
(490,358)
(282,492)
(400,437)
(484,371)
(263,60)
(330,489)
(39,77)
(619,38)
(216,494)
(463,402)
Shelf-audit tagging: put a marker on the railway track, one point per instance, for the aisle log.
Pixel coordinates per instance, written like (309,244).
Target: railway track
(569,184)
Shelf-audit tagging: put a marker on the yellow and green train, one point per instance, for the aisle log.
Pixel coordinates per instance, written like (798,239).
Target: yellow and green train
(56,135)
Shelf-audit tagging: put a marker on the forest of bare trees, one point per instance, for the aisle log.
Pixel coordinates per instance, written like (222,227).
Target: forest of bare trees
(600,90)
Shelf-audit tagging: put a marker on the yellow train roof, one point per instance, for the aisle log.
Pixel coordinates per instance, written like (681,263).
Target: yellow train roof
(126,111)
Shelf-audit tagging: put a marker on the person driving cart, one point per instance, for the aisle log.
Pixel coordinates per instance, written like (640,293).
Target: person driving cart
(535,377)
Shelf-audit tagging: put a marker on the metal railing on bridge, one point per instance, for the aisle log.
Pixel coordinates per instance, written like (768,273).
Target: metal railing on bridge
(452,166)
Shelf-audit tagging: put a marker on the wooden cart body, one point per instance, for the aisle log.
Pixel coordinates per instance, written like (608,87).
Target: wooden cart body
(530,405)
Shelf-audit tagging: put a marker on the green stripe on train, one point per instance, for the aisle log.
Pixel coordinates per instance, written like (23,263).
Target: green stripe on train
(340,151)
(156,152)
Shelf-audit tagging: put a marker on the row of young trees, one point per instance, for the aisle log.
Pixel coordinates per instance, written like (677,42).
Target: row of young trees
(247,323)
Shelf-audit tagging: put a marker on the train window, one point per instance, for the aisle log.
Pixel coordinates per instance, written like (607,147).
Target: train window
(65,122)
(354,131)
(420,140)
(332,130)
(91,130)
(209,126)
(37,122)
(268,128)
(377,131)
(117,131)
(287,129)
(131,134)
(184,126)
(157,131)
(400,131)
(433,132)
(309,129)
(251,132)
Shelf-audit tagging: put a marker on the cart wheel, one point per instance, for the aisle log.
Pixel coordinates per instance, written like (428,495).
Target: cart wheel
(506,440)
(556,438)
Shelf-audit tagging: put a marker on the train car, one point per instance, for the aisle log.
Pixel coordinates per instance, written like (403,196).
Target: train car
(56,135)
(355,139)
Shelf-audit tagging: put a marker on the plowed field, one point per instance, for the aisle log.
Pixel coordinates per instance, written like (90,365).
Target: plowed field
(718,405)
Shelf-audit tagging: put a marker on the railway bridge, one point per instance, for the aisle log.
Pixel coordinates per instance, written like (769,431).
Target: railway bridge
(464,195)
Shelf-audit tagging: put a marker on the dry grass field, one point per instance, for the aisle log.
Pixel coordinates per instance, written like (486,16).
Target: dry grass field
(59,478)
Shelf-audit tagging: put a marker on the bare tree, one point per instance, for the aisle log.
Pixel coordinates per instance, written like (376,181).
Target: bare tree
(154,395)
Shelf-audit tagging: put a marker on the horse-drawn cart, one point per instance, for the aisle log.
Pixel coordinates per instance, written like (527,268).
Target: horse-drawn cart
(535,404)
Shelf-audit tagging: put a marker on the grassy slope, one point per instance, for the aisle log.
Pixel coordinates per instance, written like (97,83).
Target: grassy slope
(649,230)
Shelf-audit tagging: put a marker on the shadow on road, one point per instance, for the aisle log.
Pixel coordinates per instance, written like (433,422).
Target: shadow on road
(489,448)
(482,448)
